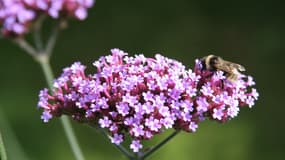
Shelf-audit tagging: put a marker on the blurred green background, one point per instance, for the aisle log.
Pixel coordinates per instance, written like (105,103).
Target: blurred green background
(248,32)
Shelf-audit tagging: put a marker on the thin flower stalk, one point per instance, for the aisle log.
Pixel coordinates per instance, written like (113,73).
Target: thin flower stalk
(3,155)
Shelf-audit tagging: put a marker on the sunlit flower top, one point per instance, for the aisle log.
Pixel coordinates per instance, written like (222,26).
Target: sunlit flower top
(17,15)
(141,97)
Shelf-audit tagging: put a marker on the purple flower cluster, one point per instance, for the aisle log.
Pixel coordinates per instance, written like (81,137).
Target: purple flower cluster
(141,97)
(17,15)
(220,98)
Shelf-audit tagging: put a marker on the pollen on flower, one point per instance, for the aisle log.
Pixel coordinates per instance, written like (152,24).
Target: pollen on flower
(141,97)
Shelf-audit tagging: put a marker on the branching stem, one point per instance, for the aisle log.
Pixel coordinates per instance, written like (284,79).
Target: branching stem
(43,58)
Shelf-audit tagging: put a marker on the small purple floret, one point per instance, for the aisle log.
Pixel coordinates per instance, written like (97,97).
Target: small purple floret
(136,145)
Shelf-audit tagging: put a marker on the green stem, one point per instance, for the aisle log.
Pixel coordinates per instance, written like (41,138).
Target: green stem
(23,44)
(71,138)
(119,147)
(37,32)
(43,60)
(10,140)
(52,39)
(145,155)
(139,156)
(3,155)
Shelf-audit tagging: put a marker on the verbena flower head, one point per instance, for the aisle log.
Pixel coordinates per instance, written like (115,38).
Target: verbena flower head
(17,15)
(220,98)
(140,97)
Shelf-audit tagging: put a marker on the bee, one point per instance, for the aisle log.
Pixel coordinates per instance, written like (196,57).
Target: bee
(216,63)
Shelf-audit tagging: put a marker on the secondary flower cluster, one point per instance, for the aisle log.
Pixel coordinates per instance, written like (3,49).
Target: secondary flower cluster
(221,99)
(141,97)
(17,15)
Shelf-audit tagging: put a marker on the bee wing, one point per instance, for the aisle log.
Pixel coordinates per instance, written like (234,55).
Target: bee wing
(225,66)
(236,66)
(241,68)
